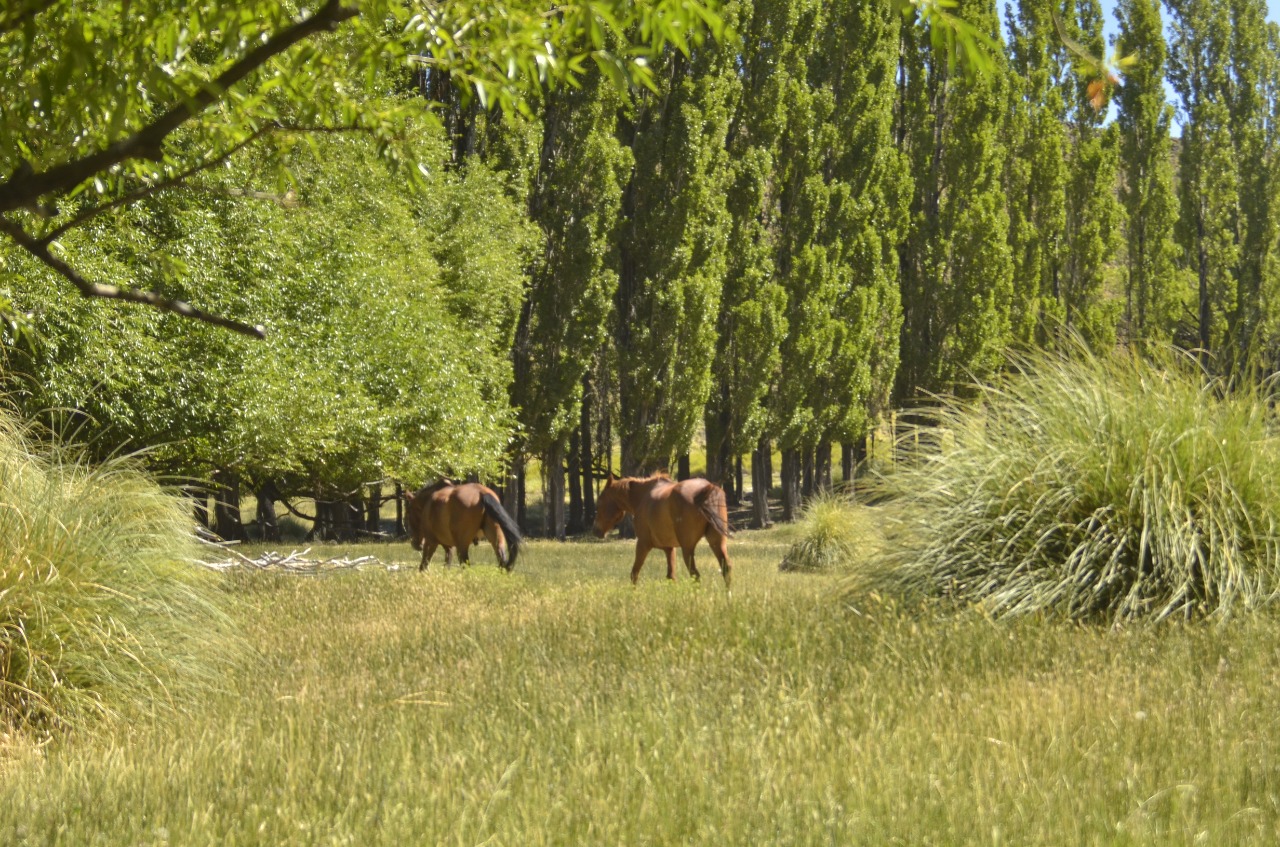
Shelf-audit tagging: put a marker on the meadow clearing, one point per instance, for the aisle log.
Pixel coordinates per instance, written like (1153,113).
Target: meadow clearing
(559,705)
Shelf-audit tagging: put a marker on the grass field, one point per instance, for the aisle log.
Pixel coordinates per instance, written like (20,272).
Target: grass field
(558,705)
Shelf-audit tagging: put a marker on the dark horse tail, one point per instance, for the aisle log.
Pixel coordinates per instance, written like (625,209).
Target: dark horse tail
(710,504)
(494,510)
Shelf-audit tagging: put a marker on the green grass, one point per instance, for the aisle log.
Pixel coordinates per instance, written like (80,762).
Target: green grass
(1096,487)
(558,705)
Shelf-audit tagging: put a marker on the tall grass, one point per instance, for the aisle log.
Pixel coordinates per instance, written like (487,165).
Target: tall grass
(558,705)
(830,533)
(102,609)
(1096,487)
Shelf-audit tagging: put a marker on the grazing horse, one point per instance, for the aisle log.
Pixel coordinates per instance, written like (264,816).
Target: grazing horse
(447,515)
(668,514)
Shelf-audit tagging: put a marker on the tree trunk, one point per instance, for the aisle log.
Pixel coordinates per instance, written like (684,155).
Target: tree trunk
(553,485)
(846,465)
(682,467)
(268,528)
(199,505)
(400,530)
(226,510)
(761,482)
(373,514)
(576,514)
(586,455)
(513,492)
(791,473)
(822,466)
(806,472)
(735,496)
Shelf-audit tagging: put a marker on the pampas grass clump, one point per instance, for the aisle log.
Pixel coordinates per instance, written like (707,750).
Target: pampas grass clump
(1097,487)
(828,536)
(102,608)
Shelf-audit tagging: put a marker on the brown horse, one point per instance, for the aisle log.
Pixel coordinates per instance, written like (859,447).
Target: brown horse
(447,515)
(668,515)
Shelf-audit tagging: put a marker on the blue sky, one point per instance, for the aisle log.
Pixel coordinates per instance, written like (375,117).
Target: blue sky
(1108,8)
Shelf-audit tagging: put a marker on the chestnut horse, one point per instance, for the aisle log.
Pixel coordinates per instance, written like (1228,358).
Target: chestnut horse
(668,514)
(447,515)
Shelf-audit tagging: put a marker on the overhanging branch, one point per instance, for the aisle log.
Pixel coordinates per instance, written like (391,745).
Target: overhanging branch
(40,250)
(25,187)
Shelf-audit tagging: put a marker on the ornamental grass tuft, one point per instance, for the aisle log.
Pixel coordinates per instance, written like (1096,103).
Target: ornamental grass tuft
(829,536)
(1095,487)
(103,610)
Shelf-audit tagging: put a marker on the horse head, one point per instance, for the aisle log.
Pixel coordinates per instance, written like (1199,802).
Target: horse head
(611,505)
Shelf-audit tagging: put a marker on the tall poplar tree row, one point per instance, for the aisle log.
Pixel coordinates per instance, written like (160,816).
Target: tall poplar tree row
(1094,214)
(844,196)
(751,323)
(1036,174)
(956,263)
(575,198)
(1152,298)
(1208,175)
(673,253)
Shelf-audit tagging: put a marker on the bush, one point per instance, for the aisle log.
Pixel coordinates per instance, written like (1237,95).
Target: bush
(102,608)
(1095,487)
(829,533)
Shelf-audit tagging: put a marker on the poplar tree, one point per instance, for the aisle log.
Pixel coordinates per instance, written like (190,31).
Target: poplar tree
(1036,174)
(845,199)
(751,323)
(1252,113)
(575,199)
(1208,175)
(1152,298)
(956,264)
(673,252)
(1061,177)
(1094,213)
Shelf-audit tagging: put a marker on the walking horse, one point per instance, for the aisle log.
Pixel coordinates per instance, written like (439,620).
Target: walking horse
(456,516)
(668,514)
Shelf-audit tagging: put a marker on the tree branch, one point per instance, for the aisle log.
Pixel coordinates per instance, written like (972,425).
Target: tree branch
(40,250)
(135,196)
(24,188)
(181,179)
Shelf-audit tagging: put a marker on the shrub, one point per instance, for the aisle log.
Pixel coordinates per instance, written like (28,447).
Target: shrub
(829,533)
(102,608)
(1095,487)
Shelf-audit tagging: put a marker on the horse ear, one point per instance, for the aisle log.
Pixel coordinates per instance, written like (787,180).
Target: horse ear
(610,477)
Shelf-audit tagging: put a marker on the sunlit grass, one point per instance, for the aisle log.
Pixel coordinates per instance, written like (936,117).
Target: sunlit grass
(559,705)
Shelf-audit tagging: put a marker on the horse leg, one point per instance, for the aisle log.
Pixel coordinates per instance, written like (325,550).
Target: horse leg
(642,550)
(688,561)
(448,557)
(671,562)
(427,550)
(720,546)
(464,553)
